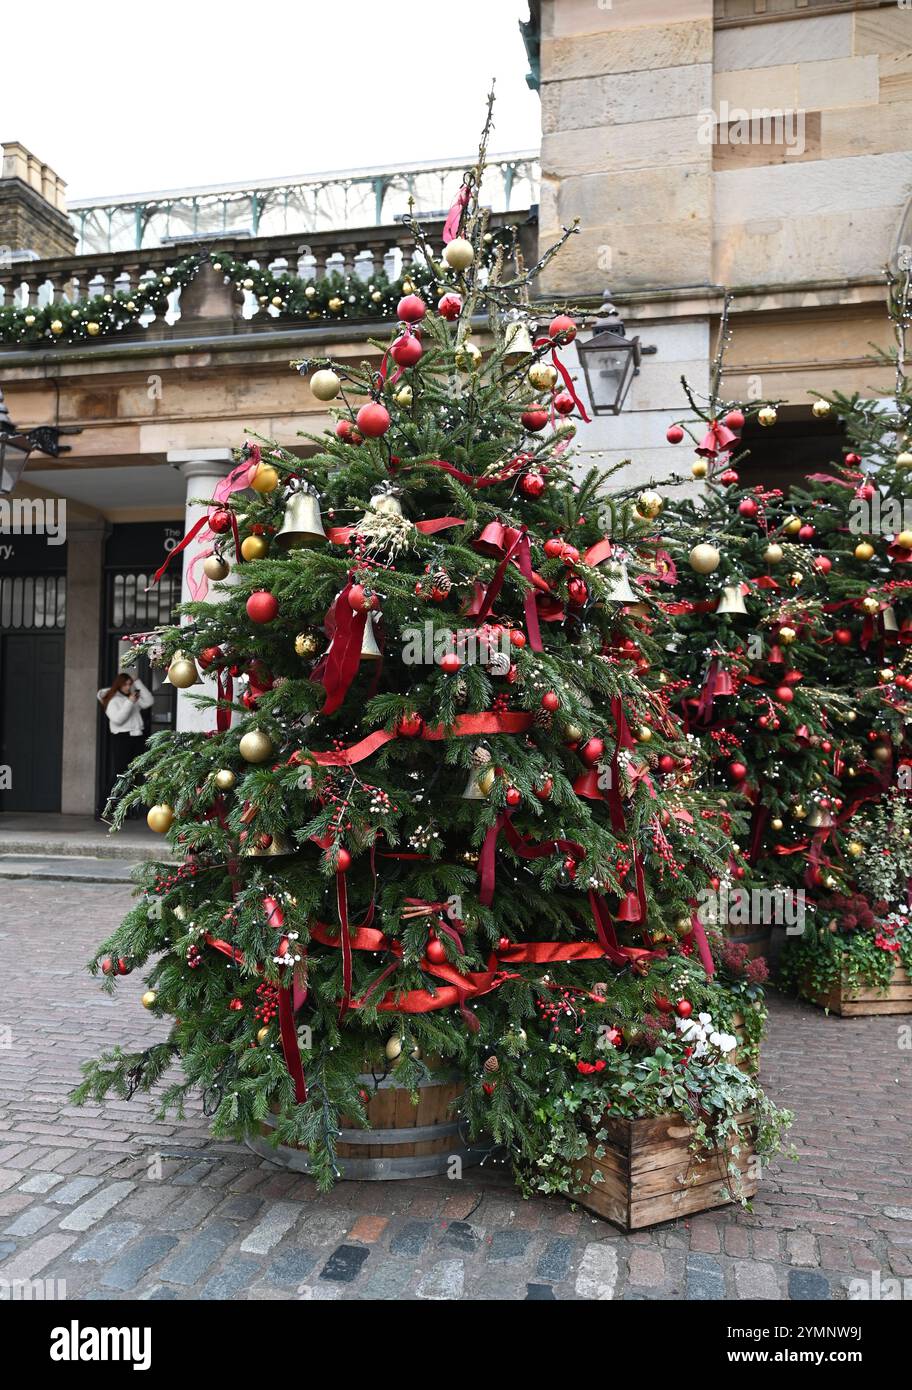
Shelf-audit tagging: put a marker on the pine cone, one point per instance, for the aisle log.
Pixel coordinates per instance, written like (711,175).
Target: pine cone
(491,1064)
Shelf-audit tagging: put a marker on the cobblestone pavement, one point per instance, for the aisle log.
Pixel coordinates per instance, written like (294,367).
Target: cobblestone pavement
(81,1199)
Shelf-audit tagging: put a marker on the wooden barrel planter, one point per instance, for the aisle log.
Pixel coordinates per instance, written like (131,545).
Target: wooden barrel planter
(648,1173)
(840,999)
(404,1140)
(742,1057)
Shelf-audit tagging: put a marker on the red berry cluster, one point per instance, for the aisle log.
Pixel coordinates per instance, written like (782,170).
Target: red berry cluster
(194,957)
(268,1006)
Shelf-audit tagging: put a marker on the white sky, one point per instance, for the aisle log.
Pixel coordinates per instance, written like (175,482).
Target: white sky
(127,97)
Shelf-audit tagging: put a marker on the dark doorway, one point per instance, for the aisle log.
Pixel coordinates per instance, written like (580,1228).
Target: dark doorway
(31,720)
(783,454)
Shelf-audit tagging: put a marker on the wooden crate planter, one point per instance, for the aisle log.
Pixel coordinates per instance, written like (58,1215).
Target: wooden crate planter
(651,1175)
(869,999)
(404,1140)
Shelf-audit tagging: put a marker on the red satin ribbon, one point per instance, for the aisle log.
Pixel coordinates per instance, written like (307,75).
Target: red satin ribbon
(341,535)
(455,215)
(465,726)
(287,1030)
(486,860)
(337,669)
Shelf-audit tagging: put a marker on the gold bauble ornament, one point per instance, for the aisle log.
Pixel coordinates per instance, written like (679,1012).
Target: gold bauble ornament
(404,397)
(265,479)
(393,1048)
(787,636)
(408,287)
(29,320)
(766,416)
(93,329)
(883,753)
(225,779)
(904,460)
(262,1036)
(468,357)
(277,301)
(182,672)
(798,812)
(683,926)
(255,746)
(644,734)
(886,675)
(254,547)
(376,297)
(776,822)
(699,468)
(704,558)
(56,327)
(572,733)
(650,503)
(214,567)
(855,848)
(870,606)
(335,304)
(131,307)
(459,254)
(792,525)
(864,550)
(904,539)
(325,384)
(248,283)
(821,409)
(773,553)
(309,292)
(542,376)
(306,644)
(148,999)
(160,818)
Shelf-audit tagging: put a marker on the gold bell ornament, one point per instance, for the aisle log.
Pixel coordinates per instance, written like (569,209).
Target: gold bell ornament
(278,844)
(621,591)
(732,600)
(182,672)
(302,525)
(517,342)
(819,819)
(479,785)
(889,619)
(369,649)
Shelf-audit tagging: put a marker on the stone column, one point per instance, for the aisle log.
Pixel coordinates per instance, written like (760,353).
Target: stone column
(203,470)
(85,595)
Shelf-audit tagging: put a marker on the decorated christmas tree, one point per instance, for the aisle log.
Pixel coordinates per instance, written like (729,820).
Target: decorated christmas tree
(430,810)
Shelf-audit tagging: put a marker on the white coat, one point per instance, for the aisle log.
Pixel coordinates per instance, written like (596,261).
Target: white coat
(124,714)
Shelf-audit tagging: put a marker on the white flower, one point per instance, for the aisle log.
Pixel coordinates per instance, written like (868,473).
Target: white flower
(705,1019)
(723,1041)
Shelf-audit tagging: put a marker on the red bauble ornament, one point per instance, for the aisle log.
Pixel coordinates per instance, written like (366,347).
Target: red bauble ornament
(865,492)
(734,420)
(235,1005)
(344,429)
(729,477)
(449,306)
(785,694)
(411,308)
(517,637)
(662,1004)
(248,700)
(563,328)
(747,506)
(373,420)
(577,591)
(550,700)
(667,763)
(220,521)
(823,563)
(410,726)
(592,750)
(435,951)
(737,771)
(513,796)
(450,663)
(360,599)
(853,460)
(843,636)
(532,484)
(564,403)
(405,352)
(553,547)
(112,967)
(208,657)
(544,791)
(534,418)
(343,861)
(262,607)
(684,1008)
(674,434)
(806,532)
